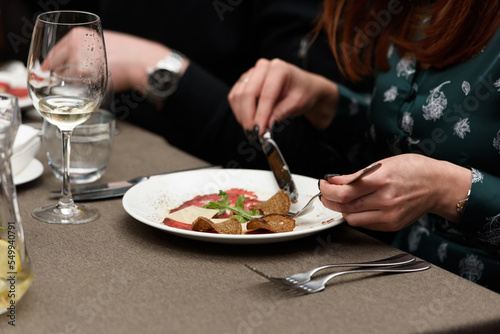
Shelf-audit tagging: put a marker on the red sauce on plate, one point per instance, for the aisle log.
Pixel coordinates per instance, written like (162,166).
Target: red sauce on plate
(233,194)
(19,92)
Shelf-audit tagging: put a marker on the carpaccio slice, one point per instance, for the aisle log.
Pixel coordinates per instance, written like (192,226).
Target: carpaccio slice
(273,221)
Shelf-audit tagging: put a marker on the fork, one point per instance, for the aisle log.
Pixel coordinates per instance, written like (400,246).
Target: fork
(305,209)
(320,284)
(367,171)
(306,276)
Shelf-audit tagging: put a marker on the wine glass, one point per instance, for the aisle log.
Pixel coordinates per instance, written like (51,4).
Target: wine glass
(67,76)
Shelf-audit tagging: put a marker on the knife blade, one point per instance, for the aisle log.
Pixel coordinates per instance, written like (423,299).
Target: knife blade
(102,194)
(103,186)
(278,165)
(113,189)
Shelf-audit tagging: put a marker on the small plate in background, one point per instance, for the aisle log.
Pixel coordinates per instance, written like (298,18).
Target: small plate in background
(30,173)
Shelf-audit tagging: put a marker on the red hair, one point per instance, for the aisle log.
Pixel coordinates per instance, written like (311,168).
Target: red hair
(437,34)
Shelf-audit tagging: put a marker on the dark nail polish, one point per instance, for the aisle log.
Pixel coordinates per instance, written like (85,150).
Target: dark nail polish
(249,134)
(252,134)
(327,176)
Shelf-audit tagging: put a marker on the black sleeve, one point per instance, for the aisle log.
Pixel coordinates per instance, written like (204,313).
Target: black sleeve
(197,118)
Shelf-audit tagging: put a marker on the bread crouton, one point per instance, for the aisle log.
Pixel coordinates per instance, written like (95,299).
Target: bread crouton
(279,203)
(230,226)
(275,223)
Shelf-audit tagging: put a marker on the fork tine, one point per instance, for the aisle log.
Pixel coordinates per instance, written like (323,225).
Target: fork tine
(305,289)
(272,279)
(275,280)
(257,271)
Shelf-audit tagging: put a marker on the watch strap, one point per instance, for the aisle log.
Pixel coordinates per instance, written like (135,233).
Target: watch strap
(163,78)
(172,62)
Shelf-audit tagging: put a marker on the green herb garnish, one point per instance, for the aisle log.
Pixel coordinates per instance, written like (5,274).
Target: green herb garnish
(238,209)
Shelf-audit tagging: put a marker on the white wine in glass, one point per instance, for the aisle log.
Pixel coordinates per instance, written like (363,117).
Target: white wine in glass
(67,76)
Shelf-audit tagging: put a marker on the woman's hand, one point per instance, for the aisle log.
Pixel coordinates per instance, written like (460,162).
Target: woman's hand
(130,57)
(273,90)
(401,191)
(71,55)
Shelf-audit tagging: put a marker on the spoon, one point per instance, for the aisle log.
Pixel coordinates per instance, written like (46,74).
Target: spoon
(367,171)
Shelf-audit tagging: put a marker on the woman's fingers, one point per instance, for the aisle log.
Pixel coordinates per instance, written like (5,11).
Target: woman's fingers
(72,50)
(272,93)
(395,196)
(372,220)
(244,95)
(243,104)
(58,55)
(256,97)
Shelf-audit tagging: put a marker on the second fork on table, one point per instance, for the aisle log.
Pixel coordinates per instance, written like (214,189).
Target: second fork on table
(306,276)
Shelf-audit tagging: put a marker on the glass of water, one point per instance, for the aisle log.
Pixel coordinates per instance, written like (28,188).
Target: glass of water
(91,147)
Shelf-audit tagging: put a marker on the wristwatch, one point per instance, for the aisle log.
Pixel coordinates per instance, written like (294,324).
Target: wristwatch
(164,78)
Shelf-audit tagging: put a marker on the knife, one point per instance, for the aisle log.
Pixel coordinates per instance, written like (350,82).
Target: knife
(278,165)
(113,189)
(103,186)
(102,194)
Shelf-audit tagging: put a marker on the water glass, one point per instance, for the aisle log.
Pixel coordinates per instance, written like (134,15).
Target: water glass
(91,146)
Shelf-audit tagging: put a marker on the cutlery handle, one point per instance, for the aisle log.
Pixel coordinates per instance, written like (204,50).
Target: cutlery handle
(367,171)
(390,261)
(405,268)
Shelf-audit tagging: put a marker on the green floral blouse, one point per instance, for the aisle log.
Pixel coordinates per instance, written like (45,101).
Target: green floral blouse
(450,114)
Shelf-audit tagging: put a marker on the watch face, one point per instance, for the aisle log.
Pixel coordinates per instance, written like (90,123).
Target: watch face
(162,82)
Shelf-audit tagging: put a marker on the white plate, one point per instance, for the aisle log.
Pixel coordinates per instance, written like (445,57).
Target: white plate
(26,147)
(13,73)
(29,173)
(25,102)
(151,200)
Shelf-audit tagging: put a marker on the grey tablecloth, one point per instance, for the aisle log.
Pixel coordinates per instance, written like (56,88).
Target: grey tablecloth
(117,275)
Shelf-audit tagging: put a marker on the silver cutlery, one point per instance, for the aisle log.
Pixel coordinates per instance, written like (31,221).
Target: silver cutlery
(114,189)
(308,207)
(278,165)
(99,187)
(276,161)
(320,284)
(305,277)
(367,171)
